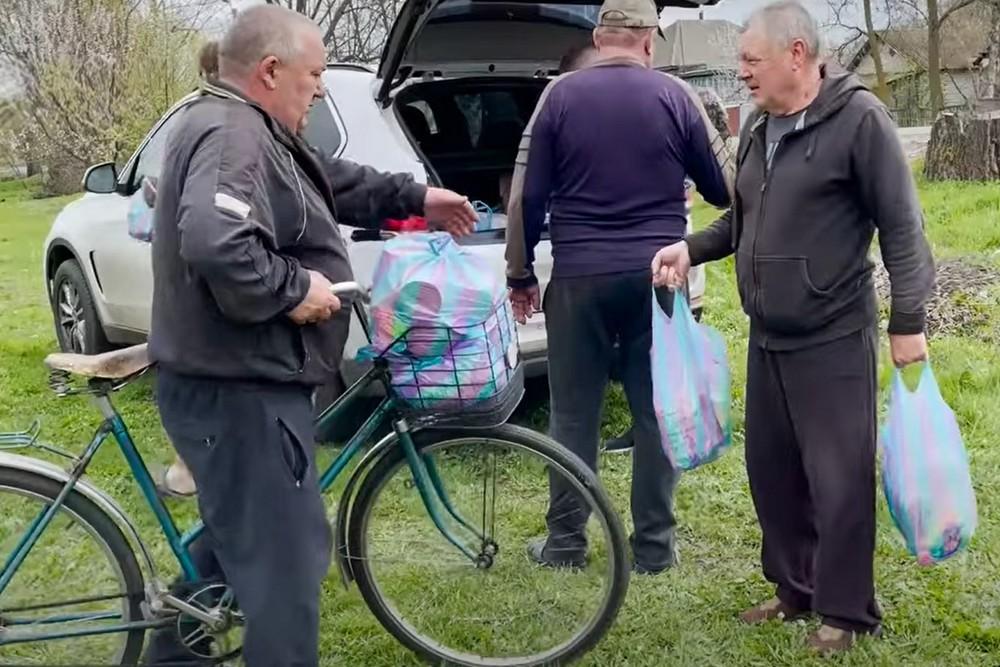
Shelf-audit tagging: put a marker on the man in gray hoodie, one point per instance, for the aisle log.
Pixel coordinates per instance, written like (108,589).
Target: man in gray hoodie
(245,325)
(820,169)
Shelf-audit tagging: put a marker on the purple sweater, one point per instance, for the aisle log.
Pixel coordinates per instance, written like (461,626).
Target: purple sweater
(606,154)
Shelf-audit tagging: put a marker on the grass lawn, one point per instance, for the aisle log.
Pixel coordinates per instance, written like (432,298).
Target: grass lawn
(945,615)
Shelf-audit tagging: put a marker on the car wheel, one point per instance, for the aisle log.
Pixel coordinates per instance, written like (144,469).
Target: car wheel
(78,327)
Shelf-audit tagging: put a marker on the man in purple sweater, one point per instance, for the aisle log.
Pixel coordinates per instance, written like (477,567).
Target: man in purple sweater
(605,154)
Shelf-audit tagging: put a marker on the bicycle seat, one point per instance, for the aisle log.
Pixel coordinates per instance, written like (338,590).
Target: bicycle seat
(113,365)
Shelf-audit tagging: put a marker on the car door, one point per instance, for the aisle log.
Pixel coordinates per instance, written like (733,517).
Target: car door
(123,264)
(325,133)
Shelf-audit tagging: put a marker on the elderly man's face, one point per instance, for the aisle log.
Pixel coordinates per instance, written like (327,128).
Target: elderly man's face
(767,70)
(299,83)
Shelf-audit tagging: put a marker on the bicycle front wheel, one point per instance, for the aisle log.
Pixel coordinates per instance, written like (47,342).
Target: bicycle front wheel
(490,604)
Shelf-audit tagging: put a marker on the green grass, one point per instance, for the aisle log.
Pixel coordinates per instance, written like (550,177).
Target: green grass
(945,615)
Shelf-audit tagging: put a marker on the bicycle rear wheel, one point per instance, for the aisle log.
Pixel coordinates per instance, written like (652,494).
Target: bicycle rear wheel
(80,576)
(508,610)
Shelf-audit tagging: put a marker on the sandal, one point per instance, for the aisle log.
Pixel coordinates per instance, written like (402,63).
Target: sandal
(165,490)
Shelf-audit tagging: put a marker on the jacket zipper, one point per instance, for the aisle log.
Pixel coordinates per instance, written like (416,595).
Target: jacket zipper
(760,223)
(768,168)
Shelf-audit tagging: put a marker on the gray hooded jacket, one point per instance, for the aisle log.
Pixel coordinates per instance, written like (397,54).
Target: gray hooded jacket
(801,231)
(243,209)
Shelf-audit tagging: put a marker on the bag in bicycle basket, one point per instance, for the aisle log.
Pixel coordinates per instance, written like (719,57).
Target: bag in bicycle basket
(442,320)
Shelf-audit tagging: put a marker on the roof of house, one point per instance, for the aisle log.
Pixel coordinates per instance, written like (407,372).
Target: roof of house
(711,43)
(963,38)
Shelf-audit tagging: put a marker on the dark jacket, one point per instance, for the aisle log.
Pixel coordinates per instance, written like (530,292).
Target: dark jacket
(243,209)
(802,232)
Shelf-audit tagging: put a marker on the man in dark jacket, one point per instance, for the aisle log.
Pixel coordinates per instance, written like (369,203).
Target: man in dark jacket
(819,170)
(606,153)
(245,325)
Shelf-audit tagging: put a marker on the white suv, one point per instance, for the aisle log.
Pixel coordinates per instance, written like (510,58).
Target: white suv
(457,82)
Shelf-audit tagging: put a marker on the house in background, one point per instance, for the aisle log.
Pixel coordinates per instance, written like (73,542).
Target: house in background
(904,59)
(704,53)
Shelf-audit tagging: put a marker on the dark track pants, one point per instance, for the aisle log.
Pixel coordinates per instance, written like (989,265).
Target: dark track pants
(583,318)
(810,454)
(250,449)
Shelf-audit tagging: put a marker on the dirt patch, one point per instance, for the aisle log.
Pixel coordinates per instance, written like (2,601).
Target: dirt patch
(961,296)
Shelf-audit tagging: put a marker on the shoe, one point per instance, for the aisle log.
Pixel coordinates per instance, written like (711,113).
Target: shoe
(621,445)
(175,482)
(536,552)
(829,640)
(772,610)
(643,571)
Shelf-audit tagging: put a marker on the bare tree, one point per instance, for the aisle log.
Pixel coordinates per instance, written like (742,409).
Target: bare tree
(991,89)
(935,14)
(353,30)
(864,30)
(94,74)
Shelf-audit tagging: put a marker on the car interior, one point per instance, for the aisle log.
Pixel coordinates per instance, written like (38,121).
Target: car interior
(468,131)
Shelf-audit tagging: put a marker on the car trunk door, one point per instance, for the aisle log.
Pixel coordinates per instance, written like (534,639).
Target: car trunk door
(478,36)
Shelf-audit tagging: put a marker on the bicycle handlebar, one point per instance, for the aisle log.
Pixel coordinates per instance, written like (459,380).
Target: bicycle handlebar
(352,290)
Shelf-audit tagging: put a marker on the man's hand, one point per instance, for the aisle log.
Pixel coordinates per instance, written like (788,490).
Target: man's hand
(671,265)
(450,211)
(525,301)
(908,349)
(320,304)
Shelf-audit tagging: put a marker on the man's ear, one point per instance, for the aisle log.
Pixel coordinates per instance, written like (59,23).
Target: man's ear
(267,71)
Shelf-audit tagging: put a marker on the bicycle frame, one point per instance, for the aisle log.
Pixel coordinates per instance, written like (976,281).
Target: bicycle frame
(424,471)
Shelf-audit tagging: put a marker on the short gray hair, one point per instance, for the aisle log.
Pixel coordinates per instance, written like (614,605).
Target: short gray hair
(261,31)
(622,37)
(786,21)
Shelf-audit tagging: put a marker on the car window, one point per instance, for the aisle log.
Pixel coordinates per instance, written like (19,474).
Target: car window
(494,118)
(472,108)
(151,157)
(321,131)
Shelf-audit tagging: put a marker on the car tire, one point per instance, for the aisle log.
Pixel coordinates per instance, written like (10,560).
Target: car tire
(78,326)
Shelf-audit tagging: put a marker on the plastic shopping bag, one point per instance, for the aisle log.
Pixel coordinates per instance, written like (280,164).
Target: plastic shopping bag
(691,387)
(442,320)
(426,280)
(140,211)
(925,471)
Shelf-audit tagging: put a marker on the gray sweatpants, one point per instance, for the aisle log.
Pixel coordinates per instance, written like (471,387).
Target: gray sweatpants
(583,318)
(250,449)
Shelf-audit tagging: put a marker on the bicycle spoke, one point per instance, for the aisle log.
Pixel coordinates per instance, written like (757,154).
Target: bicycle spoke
(507,609)
(64,603)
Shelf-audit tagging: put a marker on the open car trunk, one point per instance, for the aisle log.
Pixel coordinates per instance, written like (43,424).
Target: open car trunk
(464,76)
(468,130)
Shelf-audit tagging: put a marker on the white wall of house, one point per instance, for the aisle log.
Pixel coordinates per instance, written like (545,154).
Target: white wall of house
(892,62)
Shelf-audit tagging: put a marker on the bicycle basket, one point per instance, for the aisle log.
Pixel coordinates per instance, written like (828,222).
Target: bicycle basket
(472,372)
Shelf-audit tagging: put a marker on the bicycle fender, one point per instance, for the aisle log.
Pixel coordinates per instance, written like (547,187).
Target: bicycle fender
(104,502)
(371,457)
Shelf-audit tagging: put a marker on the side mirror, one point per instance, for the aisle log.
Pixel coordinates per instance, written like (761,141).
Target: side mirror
(101,179)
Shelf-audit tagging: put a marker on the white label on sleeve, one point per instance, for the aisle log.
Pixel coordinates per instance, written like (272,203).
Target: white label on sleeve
(232,204)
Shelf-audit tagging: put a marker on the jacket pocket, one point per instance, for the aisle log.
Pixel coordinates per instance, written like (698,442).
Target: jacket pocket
(280,350)
(293,452)
(745,280)
(787,299)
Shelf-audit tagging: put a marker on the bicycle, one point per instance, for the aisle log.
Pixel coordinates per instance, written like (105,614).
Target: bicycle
(455,617)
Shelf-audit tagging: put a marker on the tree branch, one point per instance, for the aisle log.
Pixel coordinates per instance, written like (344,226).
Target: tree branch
(960,4)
